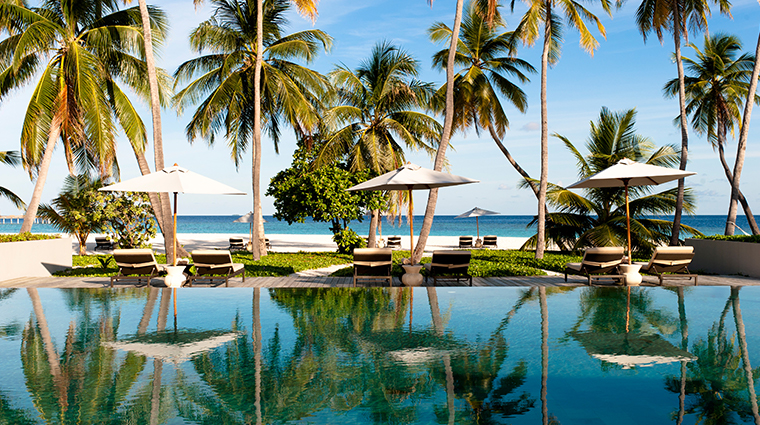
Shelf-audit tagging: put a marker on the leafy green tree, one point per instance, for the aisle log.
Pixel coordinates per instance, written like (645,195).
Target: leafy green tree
(129,219)
(597,218)
(77,209)
(78,49)
(10,158)
(677,16)
(227,82)
(716,88)
(320,192)
(487,60)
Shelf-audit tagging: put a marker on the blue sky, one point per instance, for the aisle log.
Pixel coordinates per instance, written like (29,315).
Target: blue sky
(623,73)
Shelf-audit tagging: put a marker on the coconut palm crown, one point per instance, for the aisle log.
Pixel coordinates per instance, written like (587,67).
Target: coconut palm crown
(10,158)
(597,218)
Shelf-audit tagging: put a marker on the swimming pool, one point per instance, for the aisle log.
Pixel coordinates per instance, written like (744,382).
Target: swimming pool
(321,356)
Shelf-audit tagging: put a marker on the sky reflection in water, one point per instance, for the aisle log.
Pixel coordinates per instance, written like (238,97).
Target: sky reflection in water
(445,355)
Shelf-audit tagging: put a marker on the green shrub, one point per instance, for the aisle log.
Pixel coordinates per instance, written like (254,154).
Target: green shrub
(347,240)
(734,238)
(27,237)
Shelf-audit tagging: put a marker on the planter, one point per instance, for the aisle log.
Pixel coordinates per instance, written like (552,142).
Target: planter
(725,257)
(34,258)
(412,277)
(631,273)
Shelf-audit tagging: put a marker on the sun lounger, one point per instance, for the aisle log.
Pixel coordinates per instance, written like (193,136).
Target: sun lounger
(394,242)
(102,242)
(373,264)
(449,264)
(236,244)
(212,265)
(136,265)
(670,259)
(465,241)
(249,245)
(598,263)
(489,241)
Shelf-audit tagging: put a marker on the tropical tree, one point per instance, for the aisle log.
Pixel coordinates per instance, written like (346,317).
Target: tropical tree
(487,60)
(229,89)
(77,98)
(542,19)
(78,209)
(715,93)
(677,16)
(379,110)
(598,217)
(13,159)
(741,145)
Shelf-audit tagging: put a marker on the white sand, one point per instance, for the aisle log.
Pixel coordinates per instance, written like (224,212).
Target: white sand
(291,243)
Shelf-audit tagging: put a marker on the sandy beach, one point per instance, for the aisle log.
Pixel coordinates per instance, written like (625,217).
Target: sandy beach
(290,243)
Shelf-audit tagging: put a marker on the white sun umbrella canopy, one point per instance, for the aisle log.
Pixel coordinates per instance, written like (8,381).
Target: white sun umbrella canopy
(176,347)
(411,177)
(476,212)
(173,179)
(628,173)
(247,218)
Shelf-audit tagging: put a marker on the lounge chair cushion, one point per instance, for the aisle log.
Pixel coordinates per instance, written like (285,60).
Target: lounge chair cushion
(671,257)
(373,263)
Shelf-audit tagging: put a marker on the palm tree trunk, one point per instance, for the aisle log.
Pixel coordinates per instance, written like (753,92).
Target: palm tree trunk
(684,325)
(47,342)
(47,158)
(435,312)
(148,310)
(544,179)
(742,144)
(745,205)
(742,336)
(157,205)
(257,343)
(511,160)
(259,250)
(372,237)
(163,206)
(674,236)
(440,156)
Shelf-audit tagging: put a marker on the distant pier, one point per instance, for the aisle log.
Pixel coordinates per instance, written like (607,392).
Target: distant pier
(18,219)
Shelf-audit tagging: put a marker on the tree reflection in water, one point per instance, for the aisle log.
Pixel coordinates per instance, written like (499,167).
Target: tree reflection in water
(719,384)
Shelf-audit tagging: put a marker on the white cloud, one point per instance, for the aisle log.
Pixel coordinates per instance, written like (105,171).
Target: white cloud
(531,126)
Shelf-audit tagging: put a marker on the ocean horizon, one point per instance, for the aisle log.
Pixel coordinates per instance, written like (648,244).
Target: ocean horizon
(443,225)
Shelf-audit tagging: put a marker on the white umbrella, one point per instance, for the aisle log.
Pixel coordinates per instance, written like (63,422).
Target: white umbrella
(631,173)
(412,177)
(247,218)
(476,212)
(173,179)
(177,346)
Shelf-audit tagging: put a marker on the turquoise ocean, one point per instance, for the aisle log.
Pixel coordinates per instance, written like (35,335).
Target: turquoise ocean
(443,225)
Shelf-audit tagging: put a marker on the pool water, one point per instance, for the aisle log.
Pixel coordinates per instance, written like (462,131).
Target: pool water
(379,356)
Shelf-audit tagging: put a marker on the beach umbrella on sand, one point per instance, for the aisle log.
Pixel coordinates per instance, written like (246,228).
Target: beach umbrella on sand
(412,177)
(173,179)
(476,212)
(628,173)
(248,218)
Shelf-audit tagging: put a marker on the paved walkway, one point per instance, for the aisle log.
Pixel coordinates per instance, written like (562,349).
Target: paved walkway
(318,279)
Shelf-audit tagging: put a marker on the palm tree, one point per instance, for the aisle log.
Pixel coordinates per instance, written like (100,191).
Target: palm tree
(676,15)
(598,218)
(76,97)
(227,82)
(77,210)
(741,145)
(542,18)
(715,92)
(13,159)
(378,111)
(487,60)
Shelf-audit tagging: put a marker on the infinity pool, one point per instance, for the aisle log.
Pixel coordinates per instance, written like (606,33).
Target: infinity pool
(380,356)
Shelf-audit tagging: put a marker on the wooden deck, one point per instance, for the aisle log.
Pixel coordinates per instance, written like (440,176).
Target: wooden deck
(345,282)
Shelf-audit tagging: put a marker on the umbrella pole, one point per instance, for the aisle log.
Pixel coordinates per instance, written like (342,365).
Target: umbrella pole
(175,230)
(477,226)
(411,226)
(627,219)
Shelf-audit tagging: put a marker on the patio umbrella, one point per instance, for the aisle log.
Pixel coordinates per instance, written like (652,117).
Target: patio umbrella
(476,212)
(177,346)
(628,173)
(412,177)
(173,179)
(247,218)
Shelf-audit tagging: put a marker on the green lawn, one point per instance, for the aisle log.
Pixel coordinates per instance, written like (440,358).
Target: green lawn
(484,263)
(274,264)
